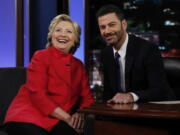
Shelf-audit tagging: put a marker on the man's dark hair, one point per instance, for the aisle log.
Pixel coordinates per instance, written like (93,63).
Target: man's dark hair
(110,9)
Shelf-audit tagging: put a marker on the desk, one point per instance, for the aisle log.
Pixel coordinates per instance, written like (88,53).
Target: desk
(132,119)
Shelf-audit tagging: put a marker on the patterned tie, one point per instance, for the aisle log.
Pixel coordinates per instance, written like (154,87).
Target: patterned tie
(118,73)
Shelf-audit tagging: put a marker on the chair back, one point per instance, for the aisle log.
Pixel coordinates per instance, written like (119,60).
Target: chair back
(10,81)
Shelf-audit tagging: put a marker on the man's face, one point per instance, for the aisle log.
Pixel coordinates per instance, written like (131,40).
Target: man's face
(112,29)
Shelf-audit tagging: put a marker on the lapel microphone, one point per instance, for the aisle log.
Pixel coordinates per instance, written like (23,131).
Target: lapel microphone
(68,65)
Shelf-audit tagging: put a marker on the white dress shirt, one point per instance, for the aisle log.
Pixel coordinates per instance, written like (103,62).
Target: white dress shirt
(122,59)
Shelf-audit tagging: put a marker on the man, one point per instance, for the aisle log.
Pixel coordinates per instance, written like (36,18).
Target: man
(133,68)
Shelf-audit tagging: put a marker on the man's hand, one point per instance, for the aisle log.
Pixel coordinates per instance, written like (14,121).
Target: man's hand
(121,98)
(121,106)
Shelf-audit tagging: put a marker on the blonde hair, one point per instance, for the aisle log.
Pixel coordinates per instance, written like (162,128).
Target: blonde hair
(55,21)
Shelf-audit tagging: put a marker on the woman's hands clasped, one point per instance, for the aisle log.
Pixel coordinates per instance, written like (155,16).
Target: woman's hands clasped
(77,122)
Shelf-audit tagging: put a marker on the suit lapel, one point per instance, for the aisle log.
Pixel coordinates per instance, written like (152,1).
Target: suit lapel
(111,68)
(130,54)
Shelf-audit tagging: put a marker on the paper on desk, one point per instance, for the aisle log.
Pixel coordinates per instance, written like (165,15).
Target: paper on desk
(166,102)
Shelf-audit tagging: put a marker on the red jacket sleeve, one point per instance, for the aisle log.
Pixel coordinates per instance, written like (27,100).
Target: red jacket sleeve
(37,81)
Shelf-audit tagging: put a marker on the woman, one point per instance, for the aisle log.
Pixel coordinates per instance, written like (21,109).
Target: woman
(56,83)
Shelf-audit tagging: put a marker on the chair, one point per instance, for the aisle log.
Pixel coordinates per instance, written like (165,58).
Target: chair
(172,68)
(10,81)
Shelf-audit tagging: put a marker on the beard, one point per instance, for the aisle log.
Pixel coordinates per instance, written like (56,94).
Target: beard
(112,38)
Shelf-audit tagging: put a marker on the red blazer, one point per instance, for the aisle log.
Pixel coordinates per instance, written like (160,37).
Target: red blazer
(53,79)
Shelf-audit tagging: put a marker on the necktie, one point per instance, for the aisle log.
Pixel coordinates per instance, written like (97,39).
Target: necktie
(118,73)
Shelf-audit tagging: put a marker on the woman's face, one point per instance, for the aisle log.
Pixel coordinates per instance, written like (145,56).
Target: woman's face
(63,36)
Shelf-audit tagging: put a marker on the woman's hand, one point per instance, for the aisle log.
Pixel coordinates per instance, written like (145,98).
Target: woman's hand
(61,115)
(77,122)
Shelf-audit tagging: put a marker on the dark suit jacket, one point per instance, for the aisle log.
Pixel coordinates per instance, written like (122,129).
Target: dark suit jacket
(144,71)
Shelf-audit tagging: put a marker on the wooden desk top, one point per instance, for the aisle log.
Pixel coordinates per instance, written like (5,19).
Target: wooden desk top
(136,110)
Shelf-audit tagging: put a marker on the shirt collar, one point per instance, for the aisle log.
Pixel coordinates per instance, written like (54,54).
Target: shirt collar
(59,53)
(122,50)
